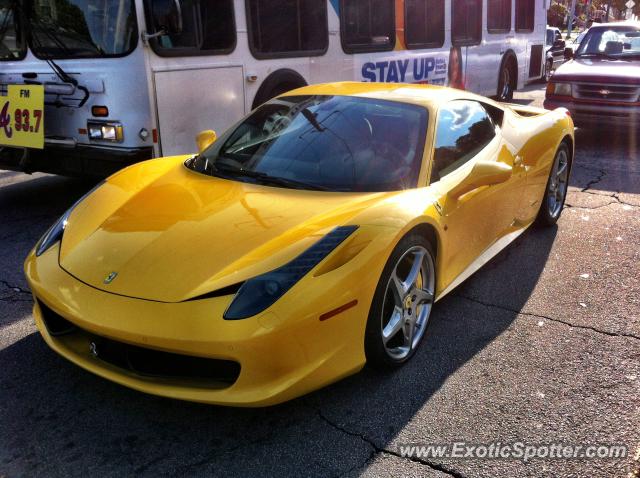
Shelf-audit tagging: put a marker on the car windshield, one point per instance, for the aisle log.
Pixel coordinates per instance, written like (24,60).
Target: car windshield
(336,143)
(82,28)
(617,42)
(12,46)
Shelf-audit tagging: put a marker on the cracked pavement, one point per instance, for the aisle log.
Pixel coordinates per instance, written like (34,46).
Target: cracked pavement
(542,345)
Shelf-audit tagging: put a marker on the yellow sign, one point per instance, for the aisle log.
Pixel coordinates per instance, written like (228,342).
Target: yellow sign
(22,116)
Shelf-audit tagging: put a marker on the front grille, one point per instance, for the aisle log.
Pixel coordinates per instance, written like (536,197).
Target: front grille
(606,92)
(142,361)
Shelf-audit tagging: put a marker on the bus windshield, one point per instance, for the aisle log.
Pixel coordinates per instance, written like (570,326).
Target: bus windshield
(11,43)
(82,28)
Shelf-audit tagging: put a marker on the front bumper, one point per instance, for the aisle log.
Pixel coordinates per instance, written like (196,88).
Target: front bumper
(281,355)
(80,160)
(596,114)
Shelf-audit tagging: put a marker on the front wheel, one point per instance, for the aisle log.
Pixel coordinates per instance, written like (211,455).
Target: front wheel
(556,191)
(402,304)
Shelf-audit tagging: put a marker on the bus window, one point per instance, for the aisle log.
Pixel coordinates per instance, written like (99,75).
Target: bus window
(424,23)
(499,16)
(82,28)
(367,25)
(12,46)
(287,28)
(525,14)
(466,22)
(207,28)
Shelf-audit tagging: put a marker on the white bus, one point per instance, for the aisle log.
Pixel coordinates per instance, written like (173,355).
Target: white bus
(127,80)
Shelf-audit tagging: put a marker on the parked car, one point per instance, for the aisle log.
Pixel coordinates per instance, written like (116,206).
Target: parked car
(313,236)
(554,51)
(601,84)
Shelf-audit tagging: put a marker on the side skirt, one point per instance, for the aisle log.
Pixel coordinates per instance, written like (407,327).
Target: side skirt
(488,254)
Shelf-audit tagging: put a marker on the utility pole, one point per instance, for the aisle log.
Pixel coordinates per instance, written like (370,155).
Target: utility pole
(570,23)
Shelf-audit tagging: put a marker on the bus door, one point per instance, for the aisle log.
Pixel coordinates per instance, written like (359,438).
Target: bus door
(195,85)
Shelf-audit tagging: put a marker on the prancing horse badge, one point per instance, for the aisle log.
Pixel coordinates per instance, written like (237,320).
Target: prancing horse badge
(110,277)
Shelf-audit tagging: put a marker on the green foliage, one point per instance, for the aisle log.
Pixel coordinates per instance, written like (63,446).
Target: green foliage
(556,15)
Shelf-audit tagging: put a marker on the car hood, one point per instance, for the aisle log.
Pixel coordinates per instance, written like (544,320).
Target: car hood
(170,234)
(599,70)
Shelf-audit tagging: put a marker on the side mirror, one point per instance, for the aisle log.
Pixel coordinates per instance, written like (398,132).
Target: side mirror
(167,16)
(559,44)
(205,138)
(568,54)
(483,173)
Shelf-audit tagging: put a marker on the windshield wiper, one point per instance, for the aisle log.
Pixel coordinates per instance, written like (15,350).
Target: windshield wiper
(311,118)
(57,69)
(265,178)
(601,55)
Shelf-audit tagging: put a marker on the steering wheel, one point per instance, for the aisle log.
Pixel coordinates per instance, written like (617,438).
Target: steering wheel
(275,123)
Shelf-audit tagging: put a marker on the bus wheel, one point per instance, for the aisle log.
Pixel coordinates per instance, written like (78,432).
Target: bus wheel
(506,80)
(276,83)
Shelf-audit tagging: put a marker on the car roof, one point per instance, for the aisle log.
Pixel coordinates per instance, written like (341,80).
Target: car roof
(423,95)
(615,24)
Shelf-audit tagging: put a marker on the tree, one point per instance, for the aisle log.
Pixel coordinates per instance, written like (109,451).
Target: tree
(556,14)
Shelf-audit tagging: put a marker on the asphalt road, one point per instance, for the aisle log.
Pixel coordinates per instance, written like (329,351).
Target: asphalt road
(541,346)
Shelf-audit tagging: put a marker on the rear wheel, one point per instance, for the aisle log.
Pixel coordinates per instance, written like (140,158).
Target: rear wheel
(556,191)
(402,304)
(278,82)
(506,80)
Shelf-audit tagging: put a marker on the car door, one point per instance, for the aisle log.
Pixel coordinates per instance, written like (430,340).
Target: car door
(196,83)
(468,132)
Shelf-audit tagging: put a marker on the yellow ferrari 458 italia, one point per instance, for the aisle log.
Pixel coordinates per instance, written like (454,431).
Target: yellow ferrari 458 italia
(312,237)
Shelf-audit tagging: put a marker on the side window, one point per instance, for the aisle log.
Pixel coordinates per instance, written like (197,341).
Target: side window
(367,25)
(207,28)
(464,128)
(466,22)
(498,16)
(424,23)
(525,15)
(549,37)
(287,28)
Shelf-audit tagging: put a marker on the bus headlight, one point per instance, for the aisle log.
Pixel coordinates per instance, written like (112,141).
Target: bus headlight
(103,131)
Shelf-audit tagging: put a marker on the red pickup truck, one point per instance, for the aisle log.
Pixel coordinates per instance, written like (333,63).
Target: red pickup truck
(601,84)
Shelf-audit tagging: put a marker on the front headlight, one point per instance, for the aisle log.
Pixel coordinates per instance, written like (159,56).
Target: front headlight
(559,89)
(258,293)
(105,131)
(54,233)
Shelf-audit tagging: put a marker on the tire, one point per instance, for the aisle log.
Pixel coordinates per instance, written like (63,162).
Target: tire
(276,83)
(408,307)
(548,70)
(555,193)
(505,80)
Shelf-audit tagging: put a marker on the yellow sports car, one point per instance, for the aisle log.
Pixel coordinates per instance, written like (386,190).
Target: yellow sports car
(312,237)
